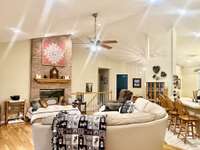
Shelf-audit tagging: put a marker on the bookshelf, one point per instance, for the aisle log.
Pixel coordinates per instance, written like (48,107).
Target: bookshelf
(154,89)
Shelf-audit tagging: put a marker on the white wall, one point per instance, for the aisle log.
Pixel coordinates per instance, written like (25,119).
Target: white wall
(190,81)
(179,74)
(14,70)
(85,64)
(136,71)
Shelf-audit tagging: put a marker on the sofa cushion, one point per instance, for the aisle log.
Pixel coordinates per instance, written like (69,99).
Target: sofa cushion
(155,109)
(140,104)
(115,118)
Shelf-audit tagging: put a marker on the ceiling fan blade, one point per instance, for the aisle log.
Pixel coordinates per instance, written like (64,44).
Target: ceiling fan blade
(109,41)
(106,46)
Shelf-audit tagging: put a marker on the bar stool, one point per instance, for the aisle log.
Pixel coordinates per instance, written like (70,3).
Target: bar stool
(188,123)
(173,120)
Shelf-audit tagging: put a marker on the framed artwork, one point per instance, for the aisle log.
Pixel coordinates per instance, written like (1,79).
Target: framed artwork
(137,82)
(53,51)
(88,87)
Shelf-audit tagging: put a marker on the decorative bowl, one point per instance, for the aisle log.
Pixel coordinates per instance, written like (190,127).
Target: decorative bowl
(15,97)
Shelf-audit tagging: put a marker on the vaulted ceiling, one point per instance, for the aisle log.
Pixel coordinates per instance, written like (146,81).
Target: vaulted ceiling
(128,21)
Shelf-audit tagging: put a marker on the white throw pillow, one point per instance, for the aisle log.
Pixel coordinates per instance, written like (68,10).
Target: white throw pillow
(140,104)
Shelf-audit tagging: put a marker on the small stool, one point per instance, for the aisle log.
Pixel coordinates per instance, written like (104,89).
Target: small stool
(188,127)
(173,122)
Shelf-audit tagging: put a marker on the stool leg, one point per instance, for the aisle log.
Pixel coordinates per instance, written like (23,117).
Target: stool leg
(181,128)
(175,124)
(192,128)
(170,122)
(186,132)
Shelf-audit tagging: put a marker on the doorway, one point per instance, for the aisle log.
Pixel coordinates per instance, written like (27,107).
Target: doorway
(103,75)
(122,83)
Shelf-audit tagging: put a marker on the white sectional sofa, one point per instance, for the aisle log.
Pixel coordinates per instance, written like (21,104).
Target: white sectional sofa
(144,129)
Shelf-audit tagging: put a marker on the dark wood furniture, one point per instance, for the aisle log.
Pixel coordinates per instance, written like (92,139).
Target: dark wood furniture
(154,89)
(14,107)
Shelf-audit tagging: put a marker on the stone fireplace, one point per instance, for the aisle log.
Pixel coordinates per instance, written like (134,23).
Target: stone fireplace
(39,89)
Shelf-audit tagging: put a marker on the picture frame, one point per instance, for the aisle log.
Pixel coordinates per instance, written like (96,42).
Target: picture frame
(137,82)
(89,87)
(53,51)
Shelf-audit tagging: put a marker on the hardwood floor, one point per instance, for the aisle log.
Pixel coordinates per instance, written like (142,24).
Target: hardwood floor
(16,137)
(19,137)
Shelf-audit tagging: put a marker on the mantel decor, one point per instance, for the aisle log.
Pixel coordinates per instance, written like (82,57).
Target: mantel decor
(54,73)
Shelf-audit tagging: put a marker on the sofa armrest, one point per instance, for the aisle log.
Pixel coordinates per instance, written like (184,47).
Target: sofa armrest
(41,136)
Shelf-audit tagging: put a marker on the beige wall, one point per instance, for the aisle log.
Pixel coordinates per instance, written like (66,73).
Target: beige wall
(14,70)
(136,71)
(190,81)
(85,66)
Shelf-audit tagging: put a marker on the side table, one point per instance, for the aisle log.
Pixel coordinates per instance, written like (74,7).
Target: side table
(14,107)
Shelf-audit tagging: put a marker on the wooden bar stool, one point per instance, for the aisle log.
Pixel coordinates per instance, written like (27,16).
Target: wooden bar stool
(188,123)
(173,120)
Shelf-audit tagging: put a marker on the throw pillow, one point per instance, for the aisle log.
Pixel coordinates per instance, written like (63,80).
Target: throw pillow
(35,105)
(43,103)
(127,107)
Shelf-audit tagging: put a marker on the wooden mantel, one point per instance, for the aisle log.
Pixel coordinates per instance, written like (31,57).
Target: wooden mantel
(56,81)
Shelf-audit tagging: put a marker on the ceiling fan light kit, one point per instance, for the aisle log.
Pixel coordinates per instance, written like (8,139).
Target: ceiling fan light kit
(95,43)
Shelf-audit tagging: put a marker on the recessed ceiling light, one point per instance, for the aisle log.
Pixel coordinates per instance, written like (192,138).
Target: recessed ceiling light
(15,30)
(182,12)
(196,34)
(154,1)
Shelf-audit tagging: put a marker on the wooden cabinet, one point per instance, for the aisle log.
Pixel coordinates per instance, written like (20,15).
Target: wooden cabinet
(154,89)
(14,108)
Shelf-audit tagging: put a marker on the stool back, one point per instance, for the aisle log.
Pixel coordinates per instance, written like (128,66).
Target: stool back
(170,103)
(181,109)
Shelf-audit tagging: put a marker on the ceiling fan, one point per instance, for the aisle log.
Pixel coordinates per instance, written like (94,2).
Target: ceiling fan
(95,42)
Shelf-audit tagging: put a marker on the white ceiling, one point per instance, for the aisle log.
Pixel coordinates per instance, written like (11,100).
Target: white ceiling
(127,21)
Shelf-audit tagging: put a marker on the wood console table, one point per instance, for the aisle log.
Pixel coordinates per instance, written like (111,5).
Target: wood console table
(14,107)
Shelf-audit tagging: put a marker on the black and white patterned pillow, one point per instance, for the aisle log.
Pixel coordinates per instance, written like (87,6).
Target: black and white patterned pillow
(127,107)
